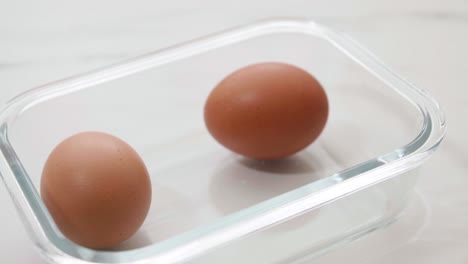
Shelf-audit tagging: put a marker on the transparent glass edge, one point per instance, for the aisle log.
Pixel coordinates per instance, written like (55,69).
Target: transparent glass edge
(386,169)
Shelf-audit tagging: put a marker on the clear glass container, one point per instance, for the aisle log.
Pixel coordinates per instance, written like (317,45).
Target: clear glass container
(210,205)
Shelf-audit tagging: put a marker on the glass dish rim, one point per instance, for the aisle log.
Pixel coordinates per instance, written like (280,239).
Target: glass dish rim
(53,245)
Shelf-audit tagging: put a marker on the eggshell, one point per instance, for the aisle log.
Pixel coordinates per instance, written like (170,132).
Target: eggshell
(267,110)
(97,189)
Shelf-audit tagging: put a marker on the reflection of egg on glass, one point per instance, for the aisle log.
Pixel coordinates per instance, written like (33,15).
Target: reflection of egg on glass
(97,189)
(267,110)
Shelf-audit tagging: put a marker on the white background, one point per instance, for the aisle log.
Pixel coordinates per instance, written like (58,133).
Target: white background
(425,40)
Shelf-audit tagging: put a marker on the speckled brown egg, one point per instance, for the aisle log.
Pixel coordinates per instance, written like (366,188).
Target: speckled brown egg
(97,189)
(267,110)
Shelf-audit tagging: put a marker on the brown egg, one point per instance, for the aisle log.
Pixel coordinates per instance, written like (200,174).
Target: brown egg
(267,110)
(97,189)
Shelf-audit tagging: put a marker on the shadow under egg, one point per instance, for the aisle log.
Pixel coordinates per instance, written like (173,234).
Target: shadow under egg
(241,183)
(138,240)
(166,218)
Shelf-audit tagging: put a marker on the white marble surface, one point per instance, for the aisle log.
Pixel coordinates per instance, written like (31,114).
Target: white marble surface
(425,40)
